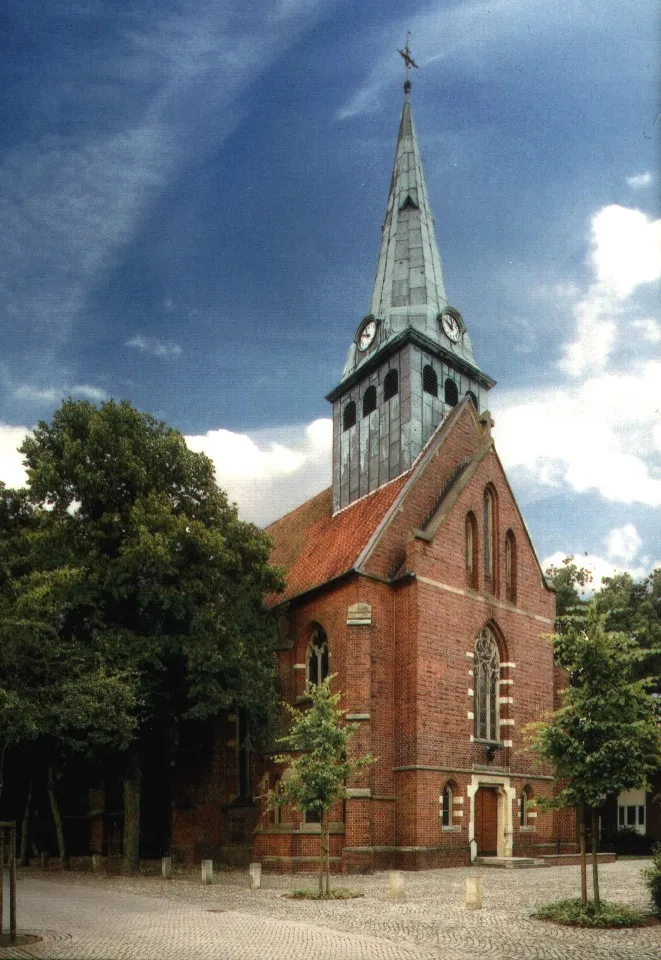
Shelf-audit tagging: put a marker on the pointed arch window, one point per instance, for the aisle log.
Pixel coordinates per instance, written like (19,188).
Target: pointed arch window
(524,806)
(390,385)
(316,661)
(369,401)
(349,415)
(430,380)
(490,534)
(486,674)
(446,808)
(472,398)
(510,566)
(471,550)
(451,392)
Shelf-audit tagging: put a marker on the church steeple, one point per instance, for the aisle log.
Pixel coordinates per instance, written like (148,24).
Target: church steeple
(409,272)
(411,358)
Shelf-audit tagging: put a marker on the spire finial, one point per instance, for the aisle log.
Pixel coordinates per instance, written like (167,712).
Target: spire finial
(409,62)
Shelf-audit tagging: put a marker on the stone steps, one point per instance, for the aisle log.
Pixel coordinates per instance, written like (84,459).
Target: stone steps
(510,863)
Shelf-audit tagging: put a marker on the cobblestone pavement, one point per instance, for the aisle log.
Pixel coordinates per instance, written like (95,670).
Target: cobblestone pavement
(87,917)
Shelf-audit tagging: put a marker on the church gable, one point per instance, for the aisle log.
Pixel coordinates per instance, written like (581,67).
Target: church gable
(450,452)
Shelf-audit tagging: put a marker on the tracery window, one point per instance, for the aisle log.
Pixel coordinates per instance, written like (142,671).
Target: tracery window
(451,392)
(316,661)
(510,567)
(390,385)
(471,550)
(430,381)
(349,415)
(369,400)
(486,670)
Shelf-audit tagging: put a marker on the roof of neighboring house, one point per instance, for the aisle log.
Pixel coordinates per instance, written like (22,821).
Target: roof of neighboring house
(315,546)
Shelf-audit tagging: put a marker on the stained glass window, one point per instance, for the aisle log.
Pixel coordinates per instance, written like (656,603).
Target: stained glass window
(486,671)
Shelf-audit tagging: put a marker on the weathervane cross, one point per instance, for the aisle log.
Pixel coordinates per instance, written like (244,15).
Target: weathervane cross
(409,62)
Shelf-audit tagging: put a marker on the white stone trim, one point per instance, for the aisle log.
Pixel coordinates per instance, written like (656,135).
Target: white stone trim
(489,601)
(506,683)
(507,743)
(299,666)
(502,700)
(457,813)
(459,800)
(470,655)
(511,666)
(470,716)
(471,692)
(507,795)
(471,673)
(507,722)
(358,793)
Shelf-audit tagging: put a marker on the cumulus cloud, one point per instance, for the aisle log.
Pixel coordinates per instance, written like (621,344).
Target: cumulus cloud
(623,543)
(11,461)
(600,435)
(625,254)
(272,471)
(157,348)
(640,180)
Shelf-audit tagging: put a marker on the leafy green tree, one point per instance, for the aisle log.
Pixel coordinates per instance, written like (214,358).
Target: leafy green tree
(569,580)
(317,774)
(169,584)
(606,735)
(634,607)
(55,690)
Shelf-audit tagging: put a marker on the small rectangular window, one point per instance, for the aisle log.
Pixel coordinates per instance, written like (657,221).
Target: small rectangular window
(620,816)
(631,816)
(641,816)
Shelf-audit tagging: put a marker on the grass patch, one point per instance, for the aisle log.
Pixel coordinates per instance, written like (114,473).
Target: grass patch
(337,893)
(571,913)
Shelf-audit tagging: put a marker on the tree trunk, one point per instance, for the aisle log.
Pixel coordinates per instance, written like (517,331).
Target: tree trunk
(327,845)
(321,854)
(595,865)
(132,776)
(57,819)
(584,868)
(2,765)
(25,830)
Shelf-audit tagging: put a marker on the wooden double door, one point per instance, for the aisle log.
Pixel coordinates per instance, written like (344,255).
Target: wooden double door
(486,821)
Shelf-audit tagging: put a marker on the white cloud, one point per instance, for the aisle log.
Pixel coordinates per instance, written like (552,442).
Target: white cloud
(600,435)
(650,329)
(157,348)
(626,253)
(626,249)
(11,461)
(640,180)
(623,543)
(272,471)
(55,394)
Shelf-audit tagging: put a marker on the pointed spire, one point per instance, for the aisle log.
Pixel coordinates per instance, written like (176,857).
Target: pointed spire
(409,273)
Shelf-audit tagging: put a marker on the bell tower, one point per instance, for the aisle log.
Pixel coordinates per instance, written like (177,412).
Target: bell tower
(411,359)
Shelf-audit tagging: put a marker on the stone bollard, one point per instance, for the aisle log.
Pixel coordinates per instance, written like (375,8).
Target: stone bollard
(397,892)
(96,862)
(207,871)
(473,893)
(44,861)
(166,867)
(255,874)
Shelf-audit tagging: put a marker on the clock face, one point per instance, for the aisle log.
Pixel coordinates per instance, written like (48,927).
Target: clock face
(367,335)
(451,327)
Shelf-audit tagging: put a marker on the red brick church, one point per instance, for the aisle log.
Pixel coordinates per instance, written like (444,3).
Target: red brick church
(413,579)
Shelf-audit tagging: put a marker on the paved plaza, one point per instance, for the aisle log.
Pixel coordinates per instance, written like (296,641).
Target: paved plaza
(88,917)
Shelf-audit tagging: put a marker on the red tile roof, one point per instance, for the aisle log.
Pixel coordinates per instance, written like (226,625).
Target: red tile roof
(314,546)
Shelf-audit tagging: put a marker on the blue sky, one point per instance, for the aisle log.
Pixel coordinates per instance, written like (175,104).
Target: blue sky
(192,195)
